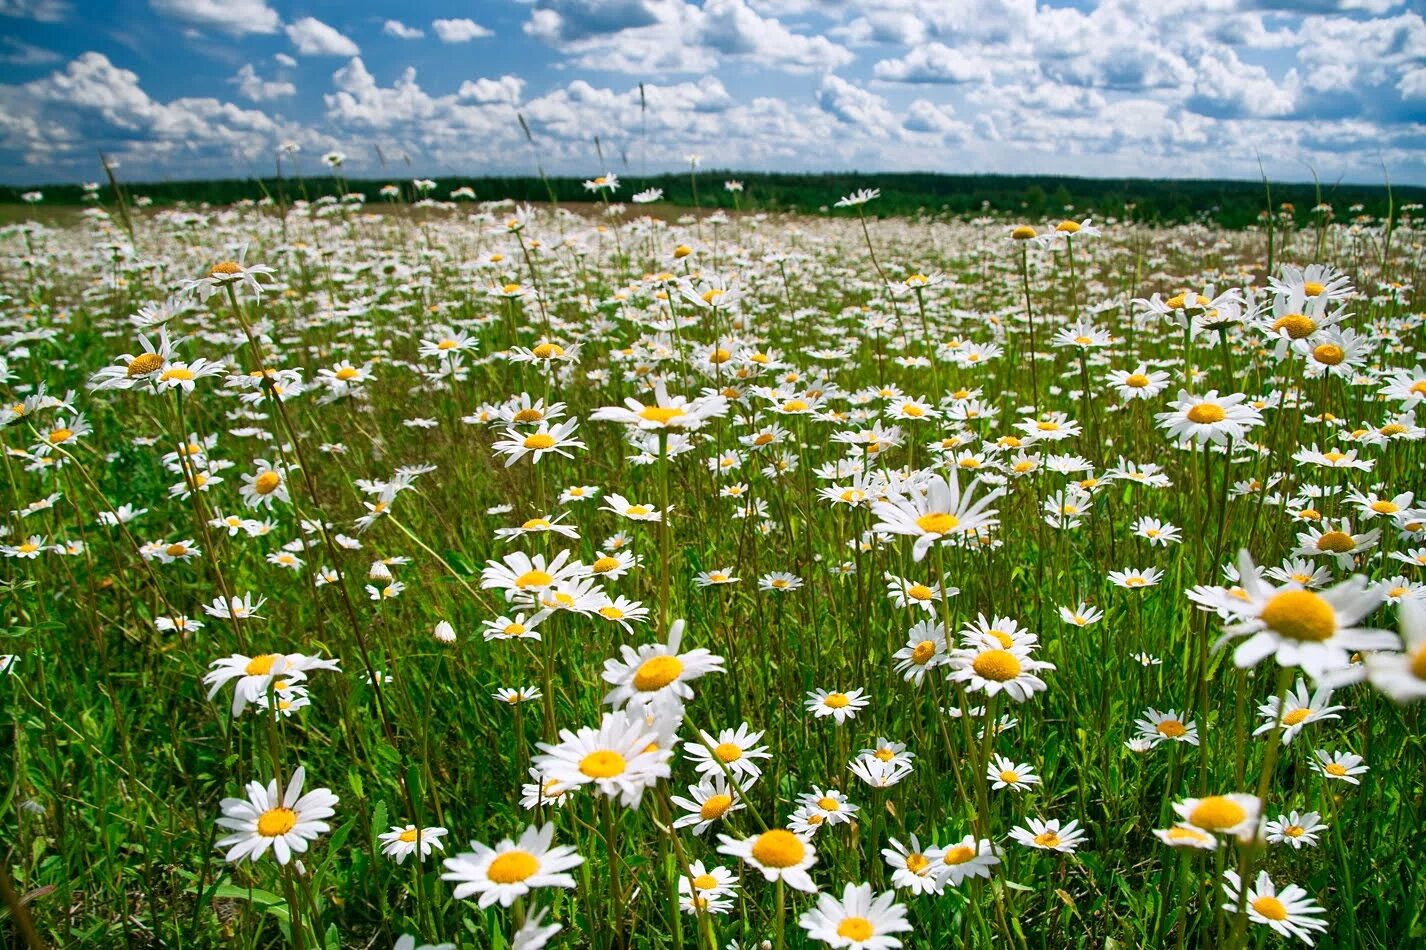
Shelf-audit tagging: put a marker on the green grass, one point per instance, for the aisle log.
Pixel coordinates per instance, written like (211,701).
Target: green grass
(120,761)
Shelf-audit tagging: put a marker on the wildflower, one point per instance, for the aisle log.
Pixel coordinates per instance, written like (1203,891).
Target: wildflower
(1289,912)
(856,920)
(403,841)
(512,869)
(284,820)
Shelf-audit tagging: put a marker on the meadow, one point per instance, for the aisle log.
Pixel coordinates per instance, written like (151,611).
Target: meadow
(495,574)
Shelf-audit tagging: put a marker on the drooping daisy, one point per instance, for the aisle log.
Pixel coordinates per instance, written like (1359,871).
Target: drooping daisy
(1186,836)
(856,920)
(707,890)
(285,821)
(512,869)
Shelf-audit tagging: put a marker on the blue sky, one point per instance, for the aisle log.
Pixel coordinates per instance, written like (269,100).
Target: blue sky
(1173,88)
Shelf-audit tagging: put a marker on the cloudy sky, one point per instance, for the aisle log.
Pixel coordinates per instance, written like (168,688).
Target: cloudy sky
(1161,88)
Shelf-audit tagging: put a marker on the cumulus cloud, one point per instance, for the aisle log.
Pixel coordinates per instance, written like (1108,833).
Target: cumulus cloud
(58,121)
(312,37)
(672,36)
(235,17)
(254,87)
(459,31)
(933,63)
(401,31)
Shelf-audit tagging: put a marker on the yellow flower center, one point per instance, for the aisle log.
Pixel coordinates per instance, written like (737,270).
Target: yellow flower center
(529,415)
(1312,288)
(409,835)
(960,854)
(1337,542)
(176,550)
(1296,716)
(938,522)
(1418,663)
(1067,227)
(1048,839)
(276,822)
(1384,507)
(143,364)
(540,440)
(1171,728)
(1329,354)
(605,763)
(778,849)
(715,807)
(512,867)
(1216,813)
(1206,413)
(178,372)
(261,665)
(827,803)
(604,565)
(225,268)
(1136,380)
(548,351)
(728,751)
(855,928)
(1023,233)
(510,289)
(1270,907)
(1336,768)
(266,483)
(795,405)
(917,863)
(661,414)
(347,372)
(1392,428)
(720,355)
(1297,325)
(997,665)
(637,511)
(535,578)
(1300,615)
(1010,777)
(920,592)
(836,701)
(923,652)
(657,672)
(60,435)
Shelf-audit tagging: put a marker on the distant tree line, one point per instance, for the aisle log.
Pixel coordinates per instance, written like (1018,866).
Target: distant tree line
(1032,198)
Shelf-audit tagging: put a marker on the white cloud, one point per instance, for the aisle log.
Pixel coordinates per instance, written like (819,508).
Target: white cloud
(235,17)
(673,36)
(254,87)
(282,59)
(41,11)
(312,37)
(20,53)
(401,31)
(504,89)
(459,31)
(58,121)
(854,105)
(933,63)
